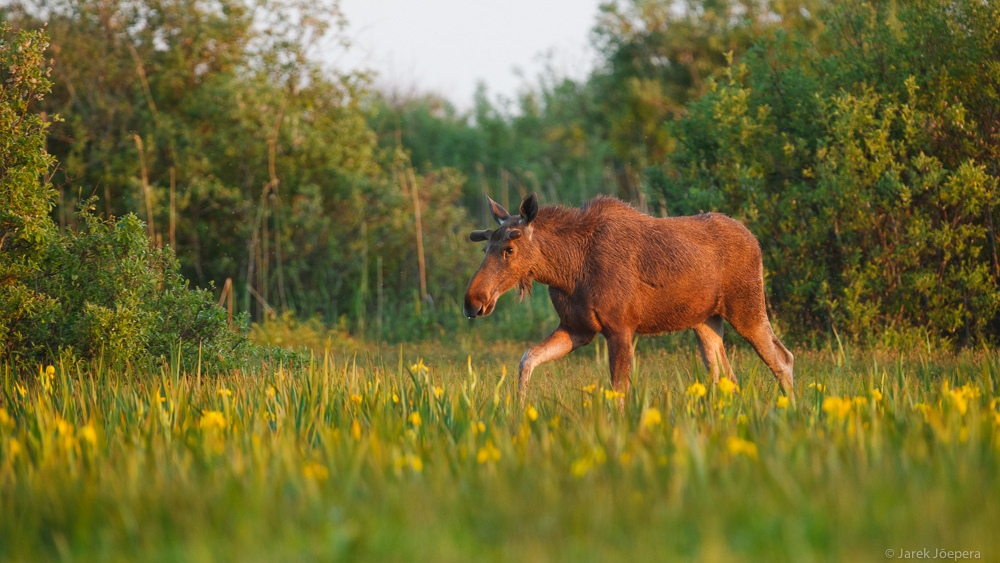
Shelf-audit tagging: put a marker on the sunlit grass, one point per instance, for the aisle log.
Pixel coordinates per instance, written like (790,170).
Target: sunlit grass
(425,452)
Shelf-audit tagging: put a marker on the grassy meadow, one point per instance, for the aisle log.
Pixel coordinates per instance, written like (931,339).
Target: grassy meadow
(423,452)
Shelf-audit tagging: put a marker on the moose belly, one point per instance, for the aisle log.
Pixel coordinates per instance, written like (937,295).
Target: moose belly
(675,309)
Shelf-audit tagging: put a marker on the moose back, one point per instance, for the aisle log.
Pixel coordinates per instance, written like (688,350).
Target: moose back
(616,271)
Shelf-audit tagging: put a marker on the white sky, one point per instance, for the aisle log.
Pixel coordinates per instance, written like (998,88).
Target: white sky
(447,46)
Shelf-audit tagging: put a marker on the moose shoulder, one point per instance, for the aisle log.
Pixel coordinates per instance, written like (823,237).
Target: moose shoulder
(616,271)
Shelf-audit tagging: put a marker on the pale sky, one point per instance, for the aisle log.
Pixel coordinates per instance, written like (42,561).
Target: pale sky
(447,46)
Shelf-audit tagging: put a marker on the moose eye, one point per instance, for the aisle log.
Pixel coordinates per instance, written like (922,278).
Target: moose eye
(508,251)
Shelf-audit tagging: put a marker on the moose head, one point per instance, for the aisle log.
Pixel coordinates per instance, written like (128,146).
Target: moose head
(510,256)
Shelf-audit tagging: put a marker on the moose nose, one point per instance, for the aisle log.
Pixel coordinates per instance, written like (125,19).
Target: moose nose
(472,308)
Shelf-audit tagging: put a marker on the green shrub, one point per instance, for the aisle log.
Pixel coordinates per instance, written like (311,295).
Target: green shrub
(101,290)
(866,165)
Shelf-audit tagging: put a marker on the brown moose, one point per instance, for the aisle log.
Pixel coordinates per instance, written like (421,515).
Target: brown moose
(616,271)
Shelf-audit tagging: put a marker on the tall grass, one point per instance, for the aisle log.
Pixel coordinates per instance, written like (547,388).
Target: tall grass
(422,452)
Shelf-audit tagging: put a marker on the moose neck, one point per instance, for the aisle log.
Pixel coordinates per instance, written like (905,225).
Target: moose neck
(560,235)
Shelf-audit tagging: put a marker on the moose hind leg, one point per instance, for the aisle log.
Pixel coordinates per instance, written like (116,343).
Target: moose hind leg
(772,351)
(712,348)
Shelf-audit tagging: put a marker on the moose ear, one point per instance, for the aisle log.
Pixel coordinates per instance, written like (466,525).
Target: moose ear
(480,236)
(499,213)
(529,208)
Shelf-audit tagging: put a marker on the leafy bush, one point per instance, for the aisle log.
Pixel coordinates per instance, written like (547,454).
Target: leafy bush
(866,164)
(104,289)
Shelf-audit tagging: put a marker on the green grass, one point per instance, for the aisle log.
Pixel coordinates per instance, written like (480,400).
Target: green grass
(329,462)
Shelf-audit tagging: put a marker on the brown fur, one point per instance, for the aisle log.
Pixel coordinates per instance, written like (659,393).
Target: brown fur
(616,271)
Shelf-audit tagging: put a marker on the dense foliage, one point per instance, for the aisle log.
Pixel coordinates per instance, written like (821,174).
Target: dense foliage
(857,140)
(868,169)
(214,122)
(101,290)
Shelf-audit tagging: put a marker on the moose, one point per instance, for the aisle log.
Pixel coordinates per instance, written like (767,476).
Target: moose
(614,270)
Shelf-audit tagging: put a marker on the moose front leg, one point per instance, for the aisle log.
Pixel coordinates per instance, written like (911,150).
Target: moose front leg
(555,346)
(620,358)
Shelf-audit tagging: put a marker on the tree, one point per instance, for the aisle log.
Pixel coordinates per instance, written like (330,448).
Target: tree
(867,167)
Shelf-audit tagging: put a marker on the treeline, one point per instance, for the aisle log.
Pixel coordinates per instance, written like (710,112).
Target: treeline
(101,290)
(857,140)
(216,124)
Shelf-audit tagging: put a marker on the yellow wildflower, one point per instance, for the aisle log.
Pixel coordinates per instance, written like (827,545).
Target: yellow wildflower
(395,398)
(50,371)
(876,395)
(531,413)
(782,402)
(415,419)
(960,396)
(696,390)
(738,446)
(728,386)
(650,418)
(315,471)
(478,427)
(270,392)
(415,462)
(589,388)
(89,434)
(837,407)
(356,399)
(223,392)
(63,427)
(13,448)
(817,386)
(581,466)
(212,420)
(488,453)
(20,390)
(438,392)
(5,419)
(419,366)
(355,429)
(741,419)
(611,395)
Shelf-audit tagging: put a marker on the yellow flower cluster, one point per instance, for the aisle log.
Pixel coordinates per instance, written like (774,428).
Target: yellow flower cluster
(738,446)
(650,418)
(315,471)
(611,395)
(840,407)
(582,465)
(696,390)
(728,386)
(212,420)
(414,419)
(488,453)
(959,397)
